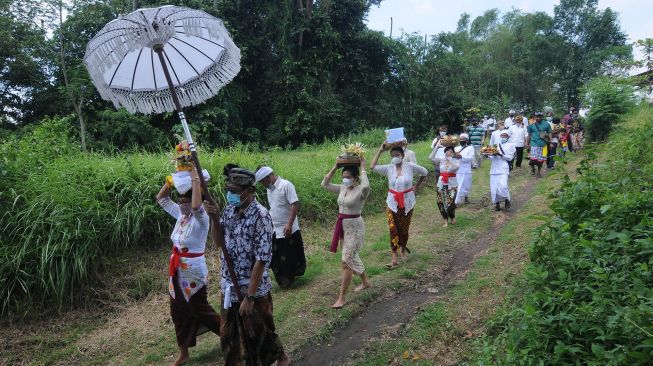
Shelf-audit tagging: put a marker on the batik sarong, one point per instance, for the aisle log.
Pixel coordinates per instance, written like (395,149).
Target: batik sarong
(399,224)
(238,348)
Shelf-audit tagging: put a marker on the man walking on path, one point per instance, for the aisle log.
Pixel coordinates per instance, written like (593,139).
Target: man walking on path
(476,138)
(489,125)
(288,260)
(247,229)
(499,171)
(509,121)
(539,135)
(464,172)
(518,134)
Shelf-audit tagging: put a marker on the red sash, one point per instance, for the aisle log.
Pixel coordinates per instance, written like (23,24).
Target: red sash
(446,175)
(399,196)
(338,232)
(175,259)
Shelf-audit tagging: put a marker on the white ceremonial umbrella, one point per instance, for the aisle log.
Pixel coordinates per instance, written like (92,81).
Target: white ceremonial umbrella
(157,60)
(162,59)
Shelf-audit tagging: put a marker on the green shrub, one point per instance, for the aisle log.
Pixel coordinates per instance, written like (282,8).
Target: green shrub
(588,296)
(609,100)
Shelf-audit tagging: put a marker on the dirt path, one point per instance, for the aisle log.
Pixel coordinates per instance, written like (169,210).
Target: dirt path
(386,316)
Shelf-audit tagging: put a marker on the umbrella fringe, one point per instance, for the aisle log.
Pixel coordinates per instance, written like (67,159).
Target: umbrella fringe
(107,50)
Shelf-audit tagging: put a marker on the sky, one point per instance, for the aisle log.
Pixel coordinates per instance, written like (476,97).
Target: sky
(435,16)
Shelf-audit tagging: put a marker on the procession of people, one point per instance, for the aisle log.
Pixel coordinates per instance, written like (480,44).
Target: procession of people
(265,243)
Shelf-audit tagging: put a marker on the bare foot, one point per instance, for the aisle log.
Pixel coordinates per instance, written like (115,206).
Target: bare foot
(283,360)
(392,265)
(362,287)
(338,304)
(182,359)
(453,221)
(445,224)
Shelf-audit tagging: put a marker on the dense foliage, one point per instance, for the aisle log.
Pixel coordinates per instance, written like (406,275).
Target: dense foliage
(65,213)
(588,295)
(609,99)
(312,70)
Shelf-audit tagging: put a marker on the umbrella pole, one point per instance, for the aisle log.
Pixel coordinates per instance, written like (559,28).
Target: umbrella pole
(216,221)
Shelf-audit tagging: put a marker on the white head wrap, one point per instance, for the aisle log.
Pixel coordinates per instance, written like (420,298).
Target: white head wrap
(464,136)
(262,173)
(505,132)
(183,181)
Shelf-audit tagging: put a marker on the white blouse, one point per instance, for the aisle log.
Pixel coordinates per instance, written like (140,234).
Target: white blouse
(401,183)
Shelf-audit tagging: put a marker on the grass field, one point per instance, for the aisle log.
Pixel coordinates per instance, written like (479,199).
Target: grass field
(66,214)
(133,328)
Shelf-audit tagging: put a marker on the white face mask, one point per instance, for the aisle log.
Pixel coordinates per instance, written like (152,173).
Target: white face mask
(549,119)
(396,160)
(504,140)
(347,182)
(442,134)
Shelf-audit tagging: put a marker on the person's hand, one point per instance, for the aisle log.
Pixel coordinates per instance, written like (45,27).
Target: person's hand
(383,147)
(458,156)
(287,230)
(168,182)
(362,163)
(211,209)
(246,307)
(193,173)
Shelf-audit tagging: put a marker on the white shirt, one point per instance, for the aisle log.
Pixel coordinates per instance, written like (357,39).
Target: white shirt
(281,195)
(409,156)
(189,235)
(467,158)
(500,162)
(518,134)
(490,124)
(402,183)
(436,155)
(495,137)
(507,122)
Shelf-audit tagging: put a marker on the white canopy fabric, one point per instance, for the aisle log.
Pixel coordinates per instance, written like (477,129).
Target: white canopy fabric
(197,49)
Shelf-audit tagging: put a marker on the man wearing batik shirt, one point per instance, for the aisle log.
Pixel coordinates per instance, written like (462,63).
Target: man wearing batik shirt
(247,229)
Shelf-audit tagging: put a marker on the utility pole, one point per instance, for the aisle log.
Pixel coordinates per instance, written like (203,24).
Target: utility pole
(390,27)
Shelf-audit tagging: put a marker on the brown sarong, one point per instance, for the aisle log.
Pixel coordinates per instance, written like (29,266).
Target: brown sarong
(263,349)
(189,316)
(399,223)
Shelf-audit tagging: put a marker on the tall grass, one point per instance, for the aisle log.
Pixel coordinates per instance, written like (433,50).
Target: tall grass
(64,212)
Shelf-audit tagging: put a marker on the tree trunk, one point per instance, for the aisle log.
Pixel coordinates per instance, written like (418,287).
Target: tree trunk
(76,107)
(135,5)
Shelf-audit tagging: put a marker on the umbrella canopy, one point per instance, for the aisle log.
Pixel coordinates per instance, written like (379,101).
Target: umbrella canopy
(197,49)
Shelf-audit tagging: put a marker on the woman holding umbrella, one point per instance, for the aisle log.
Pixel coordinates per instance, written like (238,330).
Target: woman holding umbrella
(188,274)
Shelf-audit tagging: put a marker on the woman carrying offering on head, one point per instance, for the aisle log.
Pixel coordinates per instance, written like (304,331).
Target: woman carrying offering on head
(448,185)
(188,274)
(350,228)
(401,197)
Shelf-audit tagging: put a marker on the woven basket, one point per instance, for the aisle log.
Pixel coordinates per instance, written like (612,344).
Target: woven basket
(449,141)
(348,161)
(392,145)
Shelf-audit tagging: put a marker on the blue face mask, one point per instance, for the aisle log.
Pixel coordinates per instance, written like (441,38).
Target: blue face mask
(233,199)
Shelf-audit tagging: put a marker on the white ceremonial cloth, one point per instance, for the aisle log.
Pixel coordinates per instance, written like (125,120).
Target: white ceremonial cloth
(464,173)
(499,172)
